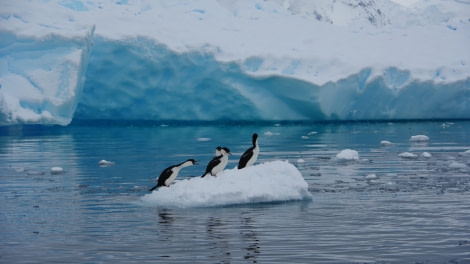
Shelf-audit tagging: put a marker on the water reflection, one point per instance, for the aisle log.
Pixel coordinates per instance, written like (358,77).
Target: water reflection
(250,237)
(218,236)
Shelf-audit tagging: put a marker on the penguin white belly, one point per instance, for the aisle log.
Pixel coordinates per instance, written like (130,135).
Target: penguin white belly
(172,176)
(220,167)
(253,158)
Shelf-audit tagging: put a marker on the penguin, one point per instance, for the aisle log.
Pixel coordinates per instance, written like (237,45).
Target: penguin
(218,163)
(169,174)
(251,155)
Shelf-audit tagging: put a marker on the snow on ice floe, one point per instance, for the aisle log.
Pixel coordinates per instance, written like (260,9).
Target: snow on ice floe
(274,181)
(419,138)
(347,154)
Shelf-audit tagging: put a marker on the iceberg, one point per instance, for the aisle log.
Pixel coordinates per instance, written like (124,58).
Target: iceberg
(275,181)
(211,60)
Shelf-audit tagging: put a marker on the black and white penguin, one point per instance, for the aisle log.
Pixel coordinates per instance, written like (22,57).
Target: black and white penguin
(169,174)
(251,155)
(218,163)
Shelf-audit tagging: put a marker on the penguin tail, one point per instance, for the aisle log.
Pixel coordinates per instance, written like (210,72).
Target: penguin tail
(153,188)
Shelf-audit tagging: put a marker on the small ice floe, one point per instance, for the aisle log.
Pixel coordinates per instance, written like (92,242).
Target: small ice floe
(269,133)
(457,165)
(304,137)
(426,155)
(385,143)
(57,170)
(347,154)
(204,139)
(466,153)
(300,161)
(446,124)
(419,138)
(312,133)
(105,163)
(408,155)
(371,176)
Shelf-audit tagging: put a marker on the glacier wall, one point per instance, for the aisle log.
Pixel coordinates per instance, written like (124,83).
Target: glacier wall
(145,80)
(41,79)
(214,60)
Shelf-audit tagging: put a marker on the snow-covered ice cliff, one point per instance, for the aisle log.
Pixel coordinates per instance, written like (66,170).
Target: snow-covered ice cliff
(233,60)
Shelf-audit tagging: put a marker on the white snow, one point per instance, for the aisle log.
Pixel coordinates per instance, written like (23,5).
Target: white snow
(419,138)
(348,154)
(268,60)
(274,181)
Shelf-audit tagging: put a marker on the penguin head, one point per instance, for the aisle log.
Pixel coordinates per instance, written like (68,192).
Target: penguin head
(217,151)
(192,161)
(254,138)
(226,151)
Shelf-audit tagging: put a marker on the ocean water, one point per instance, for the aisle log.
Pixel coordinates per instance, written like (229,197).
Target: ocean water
(380,208)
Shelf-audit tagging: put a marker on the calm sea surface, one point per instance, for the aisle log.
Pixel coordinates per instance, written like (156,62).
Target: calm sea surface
(381,208)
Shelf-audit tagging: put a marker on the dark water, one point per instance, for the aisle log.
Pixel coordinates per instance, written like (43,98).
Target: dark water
(379,209)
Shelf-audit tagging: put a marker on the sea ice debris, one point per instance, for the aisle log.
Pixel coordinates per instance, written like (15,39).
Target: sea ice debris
(426,154)
(407,155)
(104,163)
(385,143)
(419,138)
(348,154)
(57,170)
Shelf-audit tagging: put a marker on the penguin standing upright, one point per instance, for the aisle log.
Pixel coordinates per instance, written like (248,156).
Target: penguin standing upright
(251,155)
(218,163)
(169,174)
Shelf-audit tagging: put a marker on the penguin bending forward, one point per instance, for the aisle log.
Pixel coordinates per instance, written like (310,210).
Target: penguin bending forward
(251,155)
(218,163)
(169,174)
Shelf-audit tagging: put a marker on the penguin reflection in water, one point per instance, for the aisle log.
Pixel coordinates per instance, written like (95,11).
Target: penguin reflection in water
(169,174)
(251,155)
(218,163)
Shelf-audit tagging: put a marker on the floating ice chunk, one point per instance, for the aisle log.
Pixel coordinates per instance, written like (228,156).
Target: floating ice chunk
(57,170)
(458,165)
(304,137)
(385,143)
(268,182)
(347,154)
(426,154)
(269,133)
(203,139)
(105,163)
(408,155)
(312,133)
(419,138)
(300,161)
(466,153)
(371,176)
